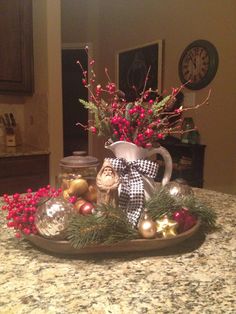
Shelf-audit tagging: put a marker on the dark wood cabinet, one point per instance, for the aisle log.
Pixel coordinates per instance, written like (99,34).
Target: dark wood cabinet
(17,174)
(16,47)
(188,162)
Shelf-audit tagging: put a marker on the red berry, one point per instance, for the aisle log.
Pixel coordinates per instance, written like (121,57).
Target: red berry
(26,231)
(149,132)
(93,129)
(142,115)
(31,219)
(149,145)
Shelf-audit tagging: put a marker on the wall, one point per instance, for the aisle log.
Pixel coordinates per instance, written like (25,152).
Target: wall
(125,24)
(40,115)
(43,113)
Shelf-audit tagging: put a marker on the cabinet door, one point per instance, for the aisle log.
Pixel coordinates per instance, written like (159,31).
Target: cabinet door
(16,47)
(17,174)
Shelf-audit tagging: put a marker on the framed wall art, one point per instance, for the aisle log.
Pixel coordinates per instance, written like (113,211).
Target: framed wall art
(132,68)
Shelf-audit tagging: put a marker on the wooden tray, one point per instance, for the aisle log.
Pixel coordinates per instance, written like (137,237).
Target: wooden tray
(64,247)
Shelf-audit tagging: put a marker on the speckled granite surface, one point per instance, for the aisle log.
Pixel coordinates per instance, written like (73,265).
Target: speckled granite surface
(20,150)
(196,277)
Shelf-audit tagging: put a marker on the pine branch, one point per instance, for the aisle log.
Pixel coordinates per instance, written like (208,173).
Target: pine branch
(86,230)
(201,210)
(120,228)
(108,226)
(161,203)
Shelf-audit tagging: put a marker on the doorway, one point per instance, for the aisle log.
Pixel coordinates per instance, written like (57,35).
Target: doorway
(75,137)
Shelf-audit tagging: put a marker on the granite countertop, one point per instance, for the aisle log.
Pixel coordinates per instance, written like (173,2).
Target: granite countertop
(21,150)
(198,276)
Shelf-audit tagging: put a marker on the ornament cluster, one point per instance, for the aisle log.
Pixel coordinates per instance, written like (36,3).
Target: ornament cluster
(176,222)
(48,211)
(80,192)
(166,227)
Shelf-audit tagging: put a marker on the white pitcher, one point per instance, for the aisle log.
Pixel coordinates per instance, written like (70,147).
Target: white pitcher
(132,152)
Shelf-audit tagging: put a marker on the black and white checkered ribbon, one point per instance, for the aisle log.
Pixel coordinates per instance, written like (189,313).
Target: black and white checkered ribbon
(131,198)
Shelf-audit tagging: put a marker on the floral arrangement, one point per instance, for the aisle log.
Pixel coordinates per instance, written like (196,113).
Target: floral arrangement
(145,121)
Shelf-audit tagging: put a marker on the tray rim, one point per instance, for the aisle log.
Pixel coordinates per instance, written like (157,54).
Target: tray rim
(64,247)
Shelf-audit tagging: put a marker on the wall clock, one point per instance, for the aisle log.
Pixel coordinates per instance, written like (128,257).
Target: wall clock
(198,64)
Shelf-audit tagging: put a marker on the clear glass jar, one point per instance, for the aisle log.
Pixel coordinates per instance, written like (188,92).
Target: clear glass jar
(77,177)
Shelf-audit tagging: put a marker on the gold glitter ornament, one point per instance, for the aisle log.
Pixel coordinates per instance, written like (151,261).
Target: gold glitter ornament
(66,195)
(147,227)
(52,218)
(166,227)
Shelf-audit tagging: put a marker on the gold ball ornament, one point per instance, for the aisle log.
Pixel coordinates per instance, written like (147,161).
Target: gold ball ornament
(78,187)
(52,218)
(147,227)
(66,195)
(166,227)
(91,194)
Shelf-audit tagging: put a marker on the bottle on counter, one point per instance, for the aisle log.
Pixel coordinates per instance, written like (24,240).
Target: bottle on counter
(189,137)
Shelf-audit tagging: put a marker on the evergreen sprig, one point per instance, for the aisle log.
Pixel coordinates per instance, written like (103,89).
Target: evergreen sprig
(86,230)
(161,203)
(201,210)
(107,226)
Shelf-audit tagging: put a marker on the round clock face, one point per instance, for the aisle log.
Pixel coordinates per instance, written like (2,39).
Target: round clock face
(198,64)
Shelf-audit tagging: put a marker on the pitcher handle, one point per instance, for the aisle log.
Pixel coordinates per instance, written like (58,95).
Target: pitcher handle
(168,163)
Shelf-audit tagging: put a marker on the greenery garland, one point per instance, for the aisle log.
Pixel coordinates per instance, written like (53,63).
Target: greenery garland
(110,225)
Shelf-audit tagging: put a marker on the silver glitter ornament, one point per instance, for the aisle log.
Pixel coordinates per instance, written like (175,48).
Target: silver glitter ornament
(52,218)
(179,188)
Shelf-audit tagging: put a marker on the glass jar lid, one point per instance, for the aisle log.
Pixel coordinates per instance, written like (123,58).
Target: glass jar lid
(77,161)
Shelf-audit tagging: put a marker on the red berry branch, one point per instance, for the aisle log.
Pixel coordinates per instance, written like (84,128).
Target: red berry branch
(21,209)
(143,122)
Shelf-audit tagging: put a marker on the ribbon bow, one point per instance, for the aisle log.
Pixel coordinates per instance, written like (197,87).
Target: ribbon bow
(131,198)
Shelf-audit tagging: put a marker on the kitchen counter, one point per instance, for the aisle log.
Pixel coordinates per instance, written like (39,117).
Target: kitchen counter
(198,276)
(20,150)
